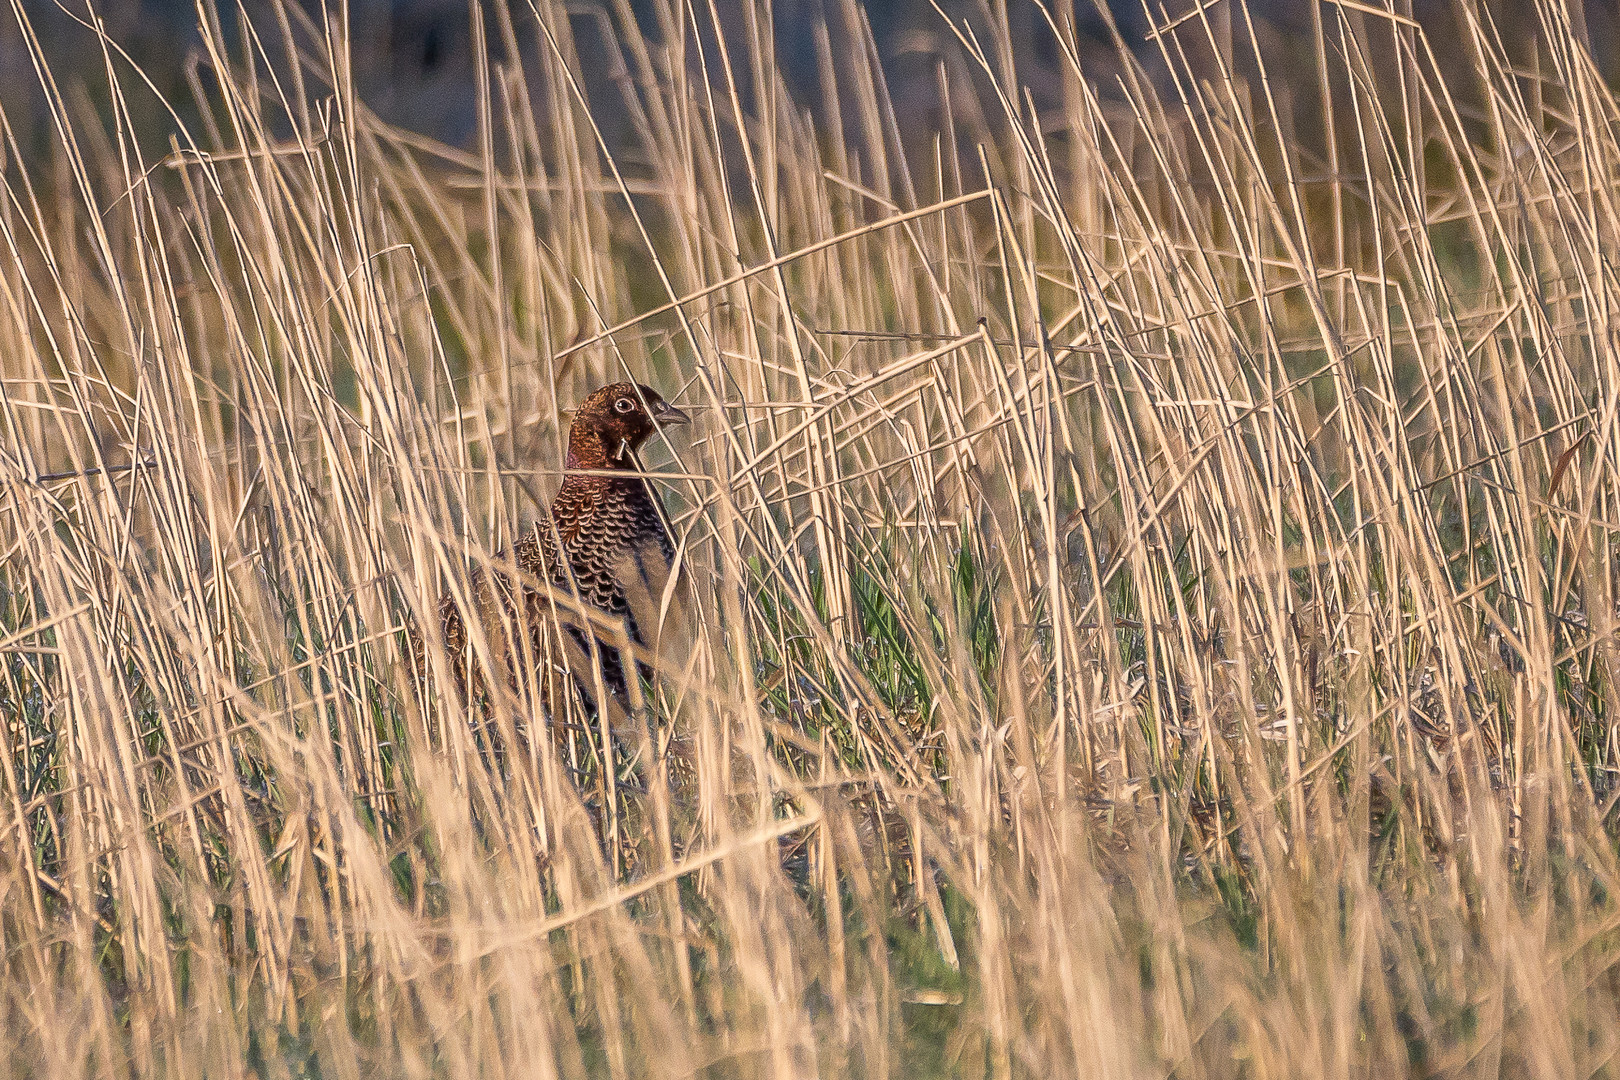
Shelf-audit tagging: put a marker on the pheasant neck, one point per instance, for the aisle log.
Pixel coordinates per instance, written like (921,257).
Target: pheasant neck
(588,450)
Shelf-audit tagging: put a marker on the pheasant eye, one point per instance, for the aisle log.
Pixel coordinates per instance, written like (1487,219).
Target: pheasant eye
(624,404)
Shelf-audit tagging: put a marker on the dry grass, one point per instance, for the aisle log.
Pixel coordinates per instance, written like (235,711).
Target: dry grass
(1145,607)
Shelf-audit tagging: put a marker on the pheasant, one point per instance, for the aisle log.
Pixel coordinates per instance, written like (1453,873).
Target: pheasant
(604,537)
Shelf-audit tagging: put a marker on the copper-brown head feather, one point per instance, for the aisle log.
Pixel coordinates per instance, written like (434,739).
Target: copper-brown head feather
(613,423)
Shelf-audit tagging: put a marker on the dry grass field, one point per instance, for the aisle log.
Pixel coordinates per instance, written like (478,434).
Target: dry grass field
(1146,602)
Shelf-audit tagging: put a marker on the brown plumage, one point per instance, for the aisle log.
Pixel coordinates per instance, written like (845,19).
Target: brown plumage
(607,529)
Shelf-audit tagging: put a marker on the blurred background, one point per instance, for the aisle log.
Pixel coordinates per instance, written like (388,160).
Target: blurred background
(414,58)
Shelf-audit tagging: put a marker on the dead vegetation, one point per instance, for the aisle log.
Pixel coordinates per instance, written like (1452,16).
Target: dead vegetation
(1146,569)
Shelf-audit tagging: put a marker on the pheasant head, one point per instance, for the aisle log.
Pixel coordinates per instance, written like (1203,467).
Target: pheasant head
(610,425)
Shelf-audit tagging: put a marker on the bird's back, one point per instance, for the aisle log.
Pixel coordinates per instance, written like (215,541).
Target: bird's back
(602,521)
(614,546)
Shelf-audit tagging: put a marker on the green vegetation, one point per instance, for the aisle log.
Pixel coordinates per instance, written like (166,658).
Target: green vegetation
(1145,606)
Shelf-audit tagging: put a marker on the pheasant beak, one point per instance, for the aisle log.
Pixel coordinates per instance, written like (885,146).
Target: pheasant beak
(668,415)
